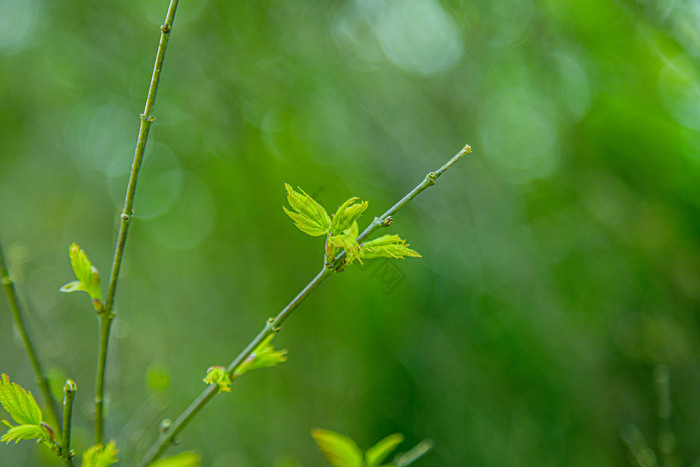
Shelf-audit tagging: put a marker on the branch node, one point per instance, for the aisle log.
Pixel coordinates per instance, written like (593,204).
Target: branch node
(165,28)
(386,222)
(164,425)
(431,178)
(270,325)
(125,217)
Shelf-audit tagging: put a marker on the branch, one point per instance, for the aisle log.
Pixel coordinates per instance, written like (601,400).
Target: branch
(69,394)
(272,325)
(106,316)
(50,402)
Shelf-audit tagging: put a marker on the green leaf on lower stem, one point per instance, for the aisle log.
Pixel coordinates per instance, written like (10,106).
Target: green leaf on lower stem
(19,403)
(41,433)
(377,453)
(184,459)
(100,455)
(340,450)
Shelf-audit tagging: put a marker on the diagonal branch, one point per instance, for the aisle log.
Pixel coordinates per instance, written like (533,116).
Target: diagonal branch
(106,316)
(167,438)
(50,402)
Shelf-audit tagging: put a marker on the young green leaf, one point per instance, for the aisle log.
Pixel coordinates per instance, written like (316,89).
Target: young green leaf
(348,243)
(340,450)
(309,216)
(263,356)
(20,404)
(74,286)
(347,214)
(218,375)
(377,453)
(42,433)
(184,459)
(100,455)
(386,246)
(353,231)
(87,275)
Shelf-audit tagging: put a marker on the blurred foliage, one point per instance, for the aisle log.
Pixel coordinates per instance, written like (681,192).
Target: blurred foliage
(561,260)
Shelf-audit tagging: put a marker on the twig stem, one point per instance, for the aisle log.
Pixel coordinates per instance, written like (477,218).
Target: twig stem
(42,382)
(106,316)
(68,395)
(272,325)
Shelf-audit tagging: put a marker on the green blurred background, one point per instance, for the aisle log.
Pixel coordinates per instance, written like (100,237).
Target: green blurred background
(560,278)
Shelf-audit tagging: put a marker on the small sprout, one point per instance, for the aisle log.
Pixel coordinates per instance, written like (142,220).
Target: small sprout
(347,214)
(309,216)
(87,275)
(218,375)
(100,455)
(353,231)
(70,386)
(386,222)
(263,356)
(346,242)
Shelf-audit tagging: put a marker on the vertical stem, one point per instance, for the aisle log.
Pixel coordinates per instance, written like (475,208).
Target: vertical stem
(106,316)
(105,324)
(41,380)
(68,395)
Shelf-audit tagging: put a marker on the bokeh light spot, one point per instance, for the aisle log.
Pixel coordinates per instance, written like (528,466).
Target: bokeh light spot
(17,19)
(418,36)
(160,180)
(679,85)
(573,84)
(101,132)
(519,132)
(352,31)
(191,219)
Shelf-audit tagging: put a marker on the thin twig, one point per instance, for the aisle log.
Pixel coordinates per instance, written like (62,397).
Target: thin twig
(167,438)
(106,316)
(68,395)
(41,380)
